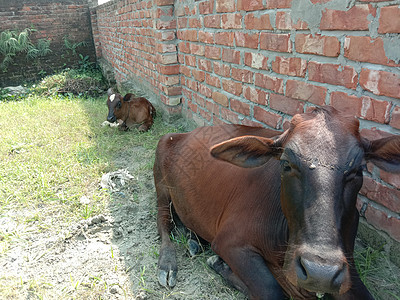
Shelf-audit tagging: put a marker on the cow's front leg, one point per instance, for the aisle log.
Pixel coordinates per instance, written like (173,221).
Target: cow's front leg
(246,270)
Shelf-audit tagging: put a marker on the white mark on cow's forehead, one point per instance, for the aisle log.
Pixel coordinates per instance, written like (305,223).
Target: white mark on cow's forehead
(112,97)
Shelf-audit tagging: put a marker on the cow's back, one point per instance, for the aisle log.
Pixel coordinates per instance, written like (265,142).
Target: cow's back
(211,196)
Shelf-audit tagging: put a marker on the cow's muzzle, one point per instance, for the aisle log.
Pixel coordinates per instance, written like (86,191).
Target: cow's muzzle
(323,272)
(315,275)
(111,118)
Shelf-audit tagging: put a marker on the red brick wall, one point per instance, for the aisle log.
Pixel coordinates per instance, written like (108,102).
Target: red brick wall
(260,62)
(52,19)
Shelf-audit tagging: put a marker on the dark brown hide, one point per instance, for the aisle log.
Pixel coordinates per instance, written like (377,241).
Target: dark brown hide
(279,210)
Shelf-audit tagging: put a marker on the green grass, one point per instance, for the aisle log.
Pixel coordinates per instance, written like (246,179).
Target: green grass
(53,152)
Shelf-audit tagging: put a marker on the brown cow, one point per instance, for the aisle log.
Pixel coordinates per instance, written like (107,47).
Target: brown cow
(283,226)
(130,111)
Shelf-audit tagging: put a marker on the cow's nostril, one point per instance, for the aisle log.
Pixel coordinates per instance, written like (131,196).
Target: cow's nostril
(300,270)
(111,119)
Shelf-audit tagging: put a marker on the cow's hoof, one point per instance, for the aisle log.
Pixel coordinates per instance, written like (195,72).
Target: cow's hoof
(217,264)
(167,267)
(194,247)
(167,278)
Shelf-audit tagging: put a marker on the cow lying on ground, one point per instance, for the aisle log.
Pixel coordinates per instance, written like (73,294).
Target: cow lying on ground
(130,111)
(279,210)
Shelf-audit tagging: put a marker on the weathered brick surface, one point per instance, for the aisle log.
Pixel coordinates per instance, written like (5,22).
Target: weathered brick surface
(258,63)
(356,18)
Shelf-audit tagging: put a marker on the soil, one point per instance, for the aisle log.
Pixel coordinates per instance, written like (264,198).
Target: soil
(109,256)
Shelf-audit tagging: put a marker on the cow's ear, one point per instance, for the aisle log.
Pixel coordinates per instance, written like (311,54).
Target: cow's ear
(245,151)
(384,153)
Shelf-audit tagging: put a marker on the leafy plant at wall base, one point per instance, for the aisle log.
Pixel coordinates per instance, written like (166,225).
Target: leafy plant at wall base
(84,63)
(13,43)
(71,46)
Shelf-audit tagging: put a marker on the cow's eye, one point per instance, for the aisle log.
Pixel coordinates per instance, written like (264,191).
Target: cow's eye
(285,165)
(119,104)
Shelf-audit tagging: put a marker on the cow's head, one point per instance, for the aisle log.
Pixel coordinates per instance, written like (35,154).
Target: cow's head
(322,157)
(114,102)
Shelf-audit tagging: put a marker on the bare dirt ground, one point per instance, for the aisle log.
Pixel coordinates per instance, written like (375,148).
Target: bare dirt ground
(109,256)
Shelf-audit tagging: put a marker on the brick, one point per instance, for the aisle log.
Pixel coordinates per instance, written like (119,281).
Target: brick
(390,178)
(190,35)
(333,74)
(212,52)
(169,80)
(379,219)
(366,49)
(395,119)
(193,85)
(170,101)
(165,35)
(283,21)
(242,75)
(231,55)
(196,49)
(229,116)
(285,104)
(269,82)
(380,82)
(256,60)
(275,42)
(194,23)
(164,11)
(249,5)
(212,107)
(255,22)
(213,80)
(307,92)
(169,69)
(232,87)
(224,6)
(167,59)
(220,98)
(224,38)
(206,7)
(271,119)
(246,40)
(166,24)
(205,90)
(190,60)
(240,107)
(389,20)
(164,2)
(222,69)
(206,37)
(212,21)
(172,90)
(356,18)
(255,95)
(205,114)
(375,110)
(205,65)
(292,66)
(231,21)
(363,107)
(317,44)
(198,75)
(184,70)
(279,4)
